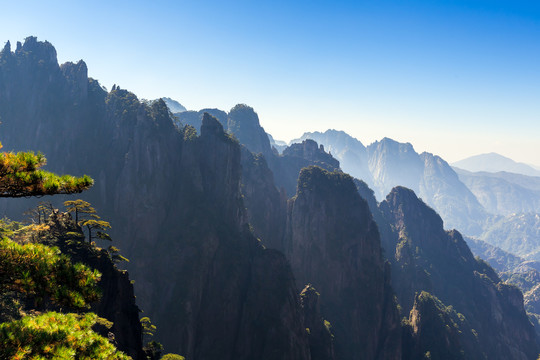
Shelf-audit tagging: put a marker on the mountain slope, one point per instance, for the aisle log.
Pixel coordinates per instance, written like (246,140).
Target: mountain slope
(503,193)
(494,162)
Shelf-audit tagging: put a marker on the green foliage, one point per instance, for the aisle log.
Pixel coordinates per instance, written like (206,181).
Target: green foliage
(153,350)
(147,327)
(190,133)
(114,254)
(20,176)
(96,225)
(317,179)
(55,336)
(172,357)
(80,208)
(41,271)
(88,219)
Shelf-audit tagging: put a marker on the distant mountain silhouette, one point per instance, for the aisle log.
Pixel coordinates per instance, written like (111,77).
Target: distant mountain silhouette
(174,106)
(388,163)
(494,162)
(503,193)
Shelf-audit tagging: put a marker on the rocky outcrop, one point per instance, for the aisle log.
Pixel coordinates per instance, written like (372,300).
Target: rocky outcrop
(321,339)
(428,258)
(243,122)
(286,167)
(434,331)
(333,243)
(350,152)
(194,118)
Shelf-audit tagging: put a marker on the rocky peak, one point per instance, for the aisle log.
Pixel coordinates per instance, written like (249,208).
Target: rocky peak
(243,122)
(427,258)
(7,49)
(76,75)
(42,50)
(405,210)
(333,243)
(309,150)
(392,163)
(321,340)
(211,126)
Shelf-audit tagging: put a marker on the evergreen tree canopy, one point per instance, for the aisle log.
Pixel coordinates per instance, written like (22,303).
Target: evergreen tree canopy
(20,176)
(44,273)
(55,336)
(40,271)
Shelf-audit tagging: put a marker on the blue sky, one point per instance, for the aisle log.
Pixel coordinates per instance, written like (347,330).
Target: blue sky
(455,78)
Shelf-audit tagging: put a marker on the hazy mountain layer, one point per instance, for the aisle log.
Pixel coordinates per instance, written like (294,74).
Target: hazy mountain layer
(493,162)
(388,163)
(518,234)
(504,193)
(173,105)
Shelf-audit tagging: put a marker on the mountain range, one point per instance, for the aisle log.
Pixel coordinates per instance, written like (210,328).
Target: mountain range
(240,251)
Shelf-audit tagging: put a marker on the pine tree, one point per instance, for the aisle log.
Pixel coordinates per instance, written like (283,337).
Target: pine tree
(21,176)
(43,273)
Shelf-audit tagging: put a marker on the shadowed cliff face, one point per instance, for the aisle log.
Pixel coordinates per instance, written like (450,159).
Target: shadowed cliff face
(174,201)
(212,289)
(427,258)
(266,206)
(333,243)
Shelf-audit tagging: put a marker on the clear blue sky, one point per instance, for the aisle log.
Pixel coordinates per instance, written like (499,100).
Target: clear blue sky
(455,78)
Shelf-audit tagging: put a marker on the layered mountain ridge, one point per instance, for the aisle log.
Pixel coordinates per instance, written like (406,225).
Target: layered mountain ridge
(220,248)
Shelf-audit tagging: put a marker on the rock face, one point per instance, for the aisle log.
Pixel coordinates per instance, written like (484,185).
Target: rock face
(393,164)
(286,167)
(321,342)
(427,258)
(333,243)
(266,206)
(212,289)
(243,122)
(434,331)
(174,200)
(194,118)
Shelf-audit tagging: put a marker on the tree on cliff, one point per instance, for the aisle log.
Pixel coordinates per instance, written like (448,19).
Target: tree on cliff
(89,219)
(20,176)
(43,274)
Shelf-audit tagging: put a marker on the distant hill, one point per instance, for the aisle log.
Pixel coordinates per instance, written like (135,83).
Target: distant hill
(174,106)
(494,162)
(503,193)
